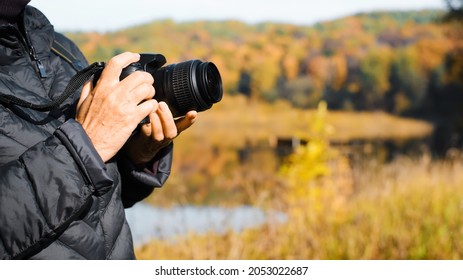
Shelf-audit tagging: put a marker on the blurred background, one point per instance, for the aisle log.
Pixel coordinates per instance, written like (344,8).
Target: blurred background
(339,135)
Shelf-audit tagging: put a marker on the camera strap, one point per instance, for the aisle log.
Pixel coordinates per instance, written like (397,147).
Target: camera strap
(74,84)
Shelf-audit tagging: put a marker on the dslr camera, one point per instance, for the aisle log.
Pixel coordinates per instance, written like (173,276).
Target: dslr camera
(189,85)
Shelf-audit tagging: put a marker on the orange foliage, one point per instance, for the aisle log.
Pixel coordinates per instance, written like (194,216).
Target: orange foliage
(432,52)
(338,71)
(350,55)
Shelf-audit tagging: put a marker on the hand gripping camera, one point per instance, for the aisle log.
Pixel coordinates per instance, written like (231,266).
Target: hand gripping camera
(188,85)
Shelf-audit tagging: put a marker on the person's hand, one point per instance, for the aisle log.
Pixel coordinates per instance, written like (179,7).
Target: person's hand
(157,134)
(111,111)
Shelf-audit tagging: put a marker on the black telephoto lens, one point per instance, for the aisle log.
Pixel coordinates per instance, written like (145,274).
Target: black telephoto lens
(189,85)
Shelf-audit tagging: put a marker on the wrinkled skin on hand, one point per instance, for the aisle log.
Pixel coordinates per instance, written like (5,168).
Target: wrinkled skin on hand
(110,112)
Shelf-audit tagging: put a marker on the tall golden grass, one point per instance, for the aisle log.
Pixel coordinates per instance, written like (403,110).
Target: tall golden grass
(405,209)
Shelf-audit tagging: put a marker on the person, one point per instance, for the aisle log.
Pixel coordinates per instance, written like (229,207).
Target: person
(68,173)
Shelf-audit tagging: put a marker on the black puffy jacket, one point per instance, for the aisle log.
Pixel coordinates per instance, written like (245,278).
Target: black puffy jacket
(58,200)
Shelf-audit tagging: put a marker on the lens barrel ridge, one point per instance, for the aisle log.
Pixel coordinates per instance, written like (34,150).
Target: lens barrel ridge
(194,85)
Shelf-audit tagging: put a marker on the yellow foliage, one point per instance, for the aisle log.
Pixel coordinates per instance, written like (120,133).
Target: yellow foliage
(311,192)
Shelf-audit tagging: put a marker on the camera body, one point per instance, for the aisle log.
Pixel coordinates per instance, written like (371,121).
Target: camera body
(186,86)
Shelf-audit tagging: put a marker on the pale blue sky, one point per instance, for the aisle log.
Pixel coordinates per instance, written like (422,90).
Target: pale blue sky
(108,15)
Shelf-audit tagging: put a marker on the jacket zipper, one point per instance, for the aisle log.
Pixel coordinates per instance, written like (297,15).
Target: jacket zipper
(32,53)
(40,67)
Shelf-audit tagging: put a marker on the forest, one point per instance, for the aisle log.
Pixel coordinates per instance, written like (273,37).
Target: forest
(403,63)
(381,78)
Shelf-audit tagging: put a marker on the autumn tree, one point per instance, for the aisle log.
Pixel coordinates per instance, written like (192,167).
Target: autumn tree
(374,72)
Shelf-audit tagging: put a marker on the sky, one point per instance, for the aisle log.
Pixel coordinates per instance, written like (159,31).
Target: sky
(110,15)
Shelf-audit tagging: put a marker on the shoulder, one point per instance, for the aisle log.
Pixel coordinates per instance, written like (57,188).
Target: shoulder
(67,49)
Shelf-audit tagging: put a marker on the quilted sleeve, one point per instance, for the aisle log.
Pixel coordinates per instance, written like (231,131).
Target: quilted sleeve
(48,187)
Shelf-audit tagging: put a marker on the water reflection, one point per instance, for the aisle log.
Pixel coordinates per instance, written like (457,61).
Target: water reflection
(148,222)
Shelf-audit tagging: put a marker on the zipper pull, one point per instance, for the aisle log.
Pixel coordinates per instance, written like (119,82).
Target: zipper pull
(42,72)
(40,67)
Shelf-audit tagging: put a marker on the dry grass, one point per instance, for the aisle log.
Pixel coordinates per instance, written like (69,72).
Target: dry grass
(408,209)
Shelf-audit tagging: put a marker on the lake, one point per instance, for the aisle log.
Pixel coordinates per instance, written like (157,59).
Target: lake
(148,222)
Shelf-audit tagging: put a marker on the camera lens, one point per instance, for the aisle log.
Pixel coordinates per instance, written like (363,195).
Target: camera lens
(189,85)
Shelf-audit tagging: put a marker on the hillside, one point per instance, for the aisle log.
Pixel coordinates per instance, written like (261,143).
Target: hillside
(351,55)
(404,63)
